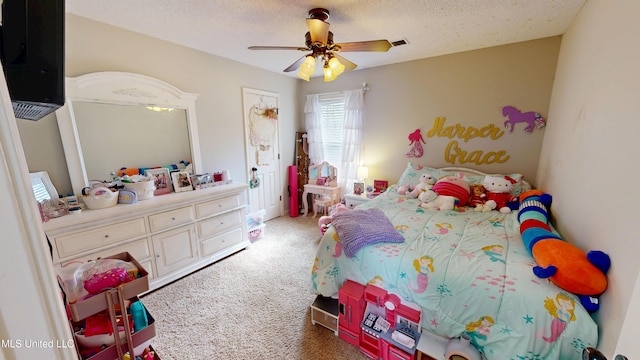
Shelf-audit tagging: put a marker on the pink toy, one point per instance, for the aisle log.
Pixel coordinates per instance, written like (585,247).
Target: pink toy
(324,222)
(454,185)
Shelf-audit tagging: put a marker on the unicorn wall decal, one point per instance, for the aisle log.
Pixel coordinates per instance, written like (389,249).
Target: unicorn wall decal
(533,119)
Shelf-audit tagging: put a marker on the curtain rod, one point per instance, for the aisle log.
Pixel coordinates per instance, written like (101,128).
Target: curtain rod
(364,89)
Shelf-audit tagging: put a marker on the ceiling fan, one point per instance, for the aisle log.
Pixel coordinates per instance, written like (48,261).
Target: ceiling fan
(319,42)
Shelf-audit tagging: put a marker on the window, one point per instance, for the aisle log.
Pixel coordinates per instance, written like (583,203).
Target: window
(332,115)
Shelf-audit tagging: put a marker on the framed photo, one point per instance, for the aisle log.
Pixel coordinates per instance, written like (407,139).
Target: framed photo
(161,180)
(358,188)
(181,181)
(380,186)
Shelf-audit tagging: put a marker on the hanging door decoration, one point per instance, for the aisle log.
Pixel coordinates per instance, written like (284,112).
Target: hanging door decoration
(262,132)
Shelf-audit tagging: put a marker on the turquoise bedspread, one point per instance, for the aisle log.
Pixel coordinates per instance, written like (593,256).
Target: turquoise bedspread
(470,273)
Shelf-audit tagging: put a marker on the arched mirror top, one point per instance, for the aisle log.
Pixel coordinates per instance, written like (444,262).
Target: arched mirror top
(323,174)
(107,93)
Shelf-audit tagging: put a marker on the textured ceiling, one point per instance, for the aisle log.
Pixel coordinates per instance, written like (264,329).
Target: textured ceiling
(432,27)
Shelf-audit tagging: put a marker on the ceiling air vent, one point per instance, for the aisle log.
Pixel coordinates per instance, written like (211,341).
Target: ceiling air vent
(400,42)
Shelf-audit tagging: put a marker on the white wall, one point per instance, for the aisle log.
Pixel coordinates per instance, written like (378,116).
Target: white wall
(468,88)
(589,154)
(92,46)
(32,322)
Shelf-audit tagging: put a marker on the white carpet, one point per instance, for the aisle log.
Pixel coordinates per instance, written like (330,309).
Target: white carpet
(251,305)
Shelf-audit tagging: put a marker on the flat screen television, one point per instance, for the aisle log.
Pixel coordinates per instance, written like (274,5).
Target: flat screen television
(32,54)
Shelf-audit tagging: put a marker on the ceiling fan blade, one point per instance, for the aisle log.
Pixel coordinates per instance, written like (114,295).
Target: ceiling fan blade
(348,65)
(276,48)
(295,65)
(373,45)
(319,30)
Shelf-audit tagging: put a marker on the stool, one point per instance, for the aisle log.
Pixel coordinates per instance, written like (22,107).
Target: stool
(324,202)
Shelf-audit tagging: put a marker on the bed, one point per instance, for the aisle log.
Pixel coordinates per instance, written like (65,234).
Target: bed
(468,271)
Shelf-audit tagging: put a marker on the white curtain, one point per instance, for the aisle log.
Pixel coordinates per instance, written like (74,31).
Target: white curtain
(314,131)
(353,144)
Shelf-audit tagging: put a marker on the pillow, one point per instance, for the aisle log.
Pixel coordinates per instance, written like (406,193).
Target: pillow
(358,228)
(411,176)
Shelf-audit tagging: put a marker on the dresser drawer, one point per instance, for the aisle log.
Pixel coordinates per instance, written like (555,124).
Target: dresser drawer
(72,244)
(219,223)
(138,249)
(171,218)
(220,242)
(218,206)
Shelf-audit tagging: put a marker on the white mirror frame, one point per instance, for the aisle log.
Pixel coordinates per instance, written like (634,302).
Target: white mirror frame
(43,177)
(124,89)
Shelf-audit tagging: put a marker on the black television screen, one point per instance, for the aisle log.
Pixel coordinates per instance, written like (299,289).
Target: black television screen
(32,53)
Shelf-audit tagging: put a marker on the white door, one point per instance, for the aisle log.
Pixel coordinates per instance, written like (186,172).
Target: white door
(263,151)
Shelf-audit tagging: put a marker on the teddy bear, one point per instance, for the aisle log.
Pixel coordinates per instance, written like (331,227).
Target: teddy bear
(431,200)
(478,198)
(426,183)
(499,190)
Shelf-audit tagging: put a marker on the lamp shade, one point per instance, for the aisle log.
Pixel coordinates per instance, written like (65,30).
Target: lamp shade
(307,68)
(362,172)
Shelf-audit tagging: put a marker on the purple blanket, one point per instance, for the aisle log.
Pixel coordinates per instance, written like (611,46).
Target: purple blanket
(359,228)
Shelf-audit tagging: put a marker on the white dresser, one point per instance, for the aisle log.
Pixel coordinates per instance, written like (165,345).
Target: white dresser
(170,235)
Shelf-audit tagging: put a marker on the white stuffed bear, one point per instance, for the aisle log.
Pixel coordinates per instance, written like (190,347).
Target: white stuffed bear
(426,183)
(431,200)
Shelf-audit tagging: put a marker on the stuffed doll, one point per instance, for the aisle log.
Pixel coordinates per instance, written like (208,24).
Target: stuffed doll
(499,190)
(453,185)
(478,198)
(431,200)
(570,268)
(426,182)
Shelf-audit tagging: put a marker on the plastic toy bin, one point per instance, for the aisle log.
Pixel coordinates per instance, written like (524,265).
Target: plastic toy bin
(141,337)
(87,307)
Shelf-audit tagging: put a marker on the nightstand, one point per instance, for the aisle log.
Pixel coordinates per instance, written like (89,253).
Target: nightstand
(353,200)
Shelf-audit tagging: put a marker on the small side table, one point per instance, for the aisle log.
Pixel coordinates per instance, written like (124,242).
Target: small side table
(352,200)
(324,311)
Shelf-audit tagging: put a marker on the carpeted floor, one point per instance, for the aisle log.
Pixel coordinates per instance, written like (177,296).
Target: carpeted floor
(251,305)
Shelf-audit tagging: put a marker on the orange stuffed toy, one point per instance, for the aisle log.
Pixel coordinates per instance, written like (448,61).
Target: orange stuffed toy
(570,268)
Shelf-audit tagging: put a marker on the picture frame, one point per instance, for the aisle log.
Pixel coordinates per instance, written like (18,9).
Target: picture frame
(181,181)
(161,180)
(358,188)
(380,186)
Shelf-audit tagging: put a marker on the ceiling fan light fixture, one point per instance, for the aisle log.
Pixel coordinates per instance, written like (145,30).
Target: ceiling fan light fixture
(336,66)
(307,68)
(329,74)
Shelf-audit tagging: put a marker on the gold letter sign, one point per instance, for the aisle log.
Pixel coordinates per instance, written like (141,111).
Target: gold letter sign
(453,153)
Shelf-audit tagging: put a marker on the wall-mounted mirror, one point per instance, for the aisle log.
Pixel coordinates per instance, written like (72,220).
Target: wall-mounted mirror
(113,120)
(42,187)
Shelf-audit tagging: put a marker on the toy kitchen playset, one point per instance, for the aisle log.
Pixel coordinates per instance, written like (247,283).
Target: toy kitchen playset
(380,323)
